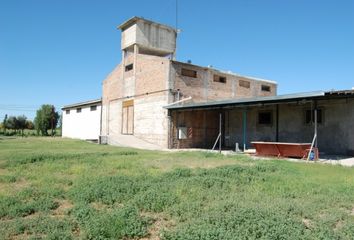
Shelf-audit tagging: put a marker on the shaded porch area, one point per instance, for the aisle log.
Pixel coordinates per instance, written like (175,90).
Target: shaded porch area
(290,119)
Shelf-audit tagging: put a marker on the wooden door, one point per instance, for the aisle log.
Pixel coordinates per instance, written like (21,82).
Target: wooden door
(128,117)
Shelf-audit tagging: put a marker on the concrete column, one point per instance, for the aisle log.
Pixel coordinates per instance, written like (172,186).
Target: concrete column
(277,123)
(244,126)
(136,52)
(220,133)
(205,129)
(124,53)
(315,119)
(170,129)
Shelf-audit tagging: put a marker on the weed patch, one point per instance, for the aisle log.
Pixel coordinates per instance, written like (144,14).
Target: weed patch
(107,190)
(66,189)
(240,223)
(35,158)
(8,179)
(155,199)
(11,207)
(39,227)
(119,223)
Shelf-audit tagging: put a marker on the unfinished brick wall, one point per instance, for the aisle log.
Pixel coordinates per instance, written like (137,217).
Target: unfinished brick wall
(197,87)
(152,74)
(204,87)
(150,118)
(147,84)
(255,89)
(112,86)
(203,128)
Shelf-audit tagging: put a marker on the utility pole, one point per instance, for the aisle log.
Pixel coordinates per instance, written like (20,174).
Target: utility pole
(177,31)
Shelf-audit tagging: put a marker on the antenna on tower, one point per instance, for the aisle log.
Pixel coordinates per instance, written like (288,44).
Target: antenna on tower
(177,30)
(176,16)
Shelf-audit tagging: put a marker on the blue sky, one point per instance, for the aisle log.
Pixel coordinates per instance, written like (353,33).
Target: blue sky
(58,52)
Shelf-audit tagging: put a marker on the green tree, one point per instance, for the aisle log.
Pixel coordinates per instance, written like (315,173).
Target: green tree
(12,123)
(46,118)
(21,123)
(4,122)
(29,125)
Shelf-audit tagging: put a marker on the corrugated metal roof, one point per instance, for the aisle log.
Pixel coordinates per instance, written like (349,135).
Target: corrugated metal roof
(250,101)
(82,104)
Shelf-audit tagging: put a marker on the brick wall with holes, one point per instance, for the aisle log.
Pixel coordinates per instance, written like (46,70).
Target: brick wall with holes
(207,84)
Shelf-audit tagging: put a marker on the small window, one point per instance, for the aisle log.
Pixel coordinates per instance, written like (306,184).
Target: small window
(189,73)
(265,118)
(244,84)
(310,118)
(265,88)
(67,111)
(129,67)
(220,79)
(78,110)
(93,108)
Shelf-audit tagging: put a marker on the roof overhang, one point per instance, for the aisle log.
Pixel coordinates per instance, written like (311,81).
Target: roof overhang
(81,104)
(241,102)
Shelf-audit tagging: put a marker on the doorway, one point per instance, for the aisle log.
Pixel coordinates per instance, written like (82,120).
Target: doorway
(128,117)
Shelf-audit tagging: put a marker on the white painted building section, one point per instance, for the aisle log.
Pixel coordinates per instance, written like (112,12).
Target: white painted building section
(82,120)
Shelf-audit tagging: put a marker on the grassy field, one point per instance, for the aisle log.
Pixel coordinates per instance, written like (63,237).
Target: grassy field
(66,189)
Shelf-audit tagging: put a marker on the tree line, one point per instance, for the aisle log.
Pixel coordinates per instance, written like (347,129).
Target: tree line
(46,119)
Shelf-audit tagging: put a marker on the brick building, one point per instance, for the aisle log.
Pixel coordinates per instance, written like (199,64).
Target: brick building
(150,98)
(149,78)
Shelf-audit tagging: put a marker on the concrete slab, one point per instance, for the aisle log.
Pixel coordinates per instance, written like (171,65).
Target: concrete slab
(132,141)
(348,162)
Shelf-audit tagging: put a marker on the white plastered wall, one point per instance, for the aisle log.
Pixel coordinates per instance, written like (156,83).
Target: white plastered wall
(150,119)
(83,125)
